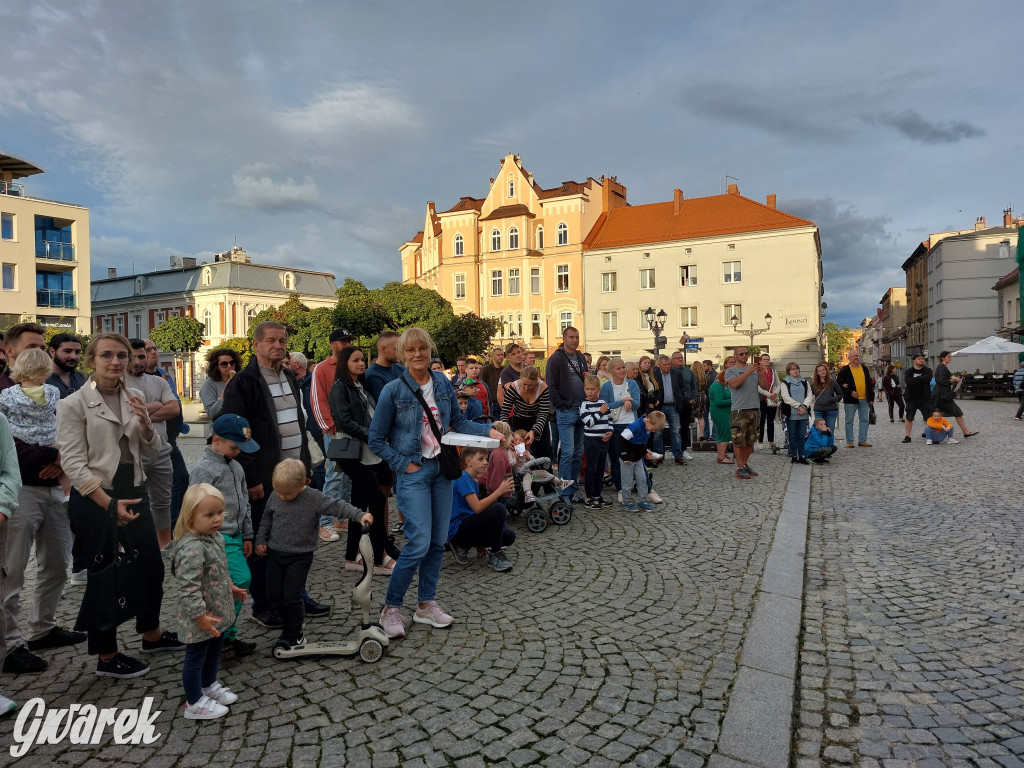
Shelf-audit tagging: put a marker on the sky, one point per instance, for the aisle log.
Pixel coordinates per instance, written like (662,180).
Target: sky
(313,134)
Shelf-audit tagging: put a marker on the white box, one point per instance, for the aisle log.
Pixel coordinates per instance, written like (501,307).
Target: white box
(474,441)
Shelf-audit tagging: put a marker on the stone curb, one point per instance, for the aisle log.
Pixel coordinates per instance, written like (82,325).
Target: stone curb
(757,729)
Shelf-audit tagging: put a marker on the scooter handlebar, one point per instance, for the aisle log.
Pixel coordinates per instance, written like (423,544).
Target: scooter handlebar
(366,529)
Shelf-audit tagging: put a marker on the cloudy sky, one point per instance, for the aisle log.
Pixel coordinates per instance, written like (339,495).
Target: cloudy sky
(314,133)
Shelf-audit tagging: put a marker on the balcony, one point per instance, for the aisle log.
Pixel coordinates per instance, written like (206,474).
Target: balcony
(46,249)
(11,188)
(55,299)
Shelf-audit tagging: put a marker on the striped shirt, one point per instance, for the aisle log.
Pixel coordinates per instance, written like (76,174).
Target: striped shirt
(289,427)
(595,423)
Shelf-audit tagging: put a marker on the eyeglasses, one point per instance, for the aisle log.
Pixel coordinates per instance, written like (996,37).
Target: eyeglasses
(226,363)
(108,356)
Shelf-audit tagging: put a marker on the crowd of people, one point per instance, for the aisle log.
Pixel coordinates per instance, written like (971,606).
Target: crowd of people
(300,455)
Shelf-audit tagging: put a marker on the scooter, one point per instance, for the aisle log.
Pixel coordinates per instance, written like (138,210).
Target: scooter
(369,641)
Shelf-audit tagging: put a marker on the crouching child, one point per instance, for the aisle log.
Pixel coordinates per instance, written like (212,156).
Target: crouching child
(820,443)
(632,452)
(477,522)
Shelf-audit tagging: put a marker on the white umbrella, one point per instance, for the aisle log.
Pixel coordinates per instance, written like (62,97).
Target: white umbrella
(993,345)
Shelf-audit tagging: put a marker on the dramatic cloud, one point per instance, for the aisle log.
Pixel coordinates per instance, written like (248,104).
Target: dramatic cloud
(916,127)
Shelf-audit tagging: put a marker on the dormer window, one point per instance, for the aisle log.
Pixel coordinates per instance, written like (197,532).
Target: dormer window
(207,276)
(138,286)
(289,281)
(511,186)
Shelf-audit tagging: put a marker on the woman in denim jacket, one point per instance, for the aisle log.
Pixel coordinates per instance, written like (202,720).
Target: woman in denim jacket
(401,435)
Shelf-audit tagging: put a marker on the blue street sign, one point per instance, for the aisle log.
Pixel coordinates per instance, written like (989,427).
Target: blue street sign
(692,348)
(694,340)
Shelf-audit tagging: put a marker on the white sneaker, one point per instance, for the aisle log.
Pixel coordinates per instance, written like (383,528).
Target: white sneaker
(328,534)
(687,455)
(220,694)
(7,705)
(80,578)
(928,442)
(654,498)
(619,498)
(657,456)
(952,440)
(205,709)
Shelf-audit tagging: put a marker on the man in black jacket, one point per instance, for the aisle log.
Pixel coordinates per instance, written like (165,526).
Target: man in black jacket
(858,393)
(565,371)
(678,392)
(917,392)
(267,395)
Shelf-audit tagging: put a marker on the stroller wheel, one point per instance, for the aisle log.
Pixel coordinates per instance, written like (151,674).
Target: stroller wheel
(536,520)
(370,651)
(561,513)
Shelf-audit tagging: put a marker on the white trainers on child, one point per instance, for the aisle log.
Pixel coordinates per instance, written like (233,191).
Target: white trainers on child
(220,694)
(205,709)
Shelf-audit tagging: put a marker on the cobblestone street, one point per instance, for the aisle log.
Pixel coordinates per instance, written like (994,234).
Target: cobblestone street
(614,641)
(912,644)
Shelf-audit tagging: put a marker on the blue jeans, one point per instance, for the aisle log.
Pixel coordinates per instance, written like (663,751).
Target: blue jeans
(830,417)
(862,410)
(672,425)
(425,498)
(337,485)
(202,662)
(797,430)
(570,438)
(709,425)
(935,435)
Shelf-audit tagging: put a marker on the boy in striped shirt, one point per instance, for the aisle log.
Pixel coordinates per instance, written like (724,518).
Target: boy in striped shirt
(597,431)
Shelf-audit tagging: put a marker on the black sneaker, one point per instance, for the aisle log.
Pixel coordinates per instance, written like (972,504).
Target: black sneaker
(398,527)
(238,649)
(290,645)
(121,666)
(168,642)
(907,439)
(269,619)
(22,660)
(58,637)
(750,471)
(315,610)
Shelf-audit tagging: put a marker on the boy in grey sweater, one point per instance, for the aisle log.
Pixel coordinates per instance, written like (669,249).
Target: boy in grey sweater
(288,536)
(231,436)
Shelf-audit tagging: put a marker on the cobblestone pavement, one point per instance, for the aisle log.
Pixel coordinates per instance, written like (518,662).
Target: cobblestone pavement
(913,634)
(613,641)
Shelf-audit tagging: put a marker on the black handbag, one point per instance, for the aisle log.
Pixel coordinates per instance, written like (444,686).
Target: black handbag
(342,448)
(449,455)
(115,590)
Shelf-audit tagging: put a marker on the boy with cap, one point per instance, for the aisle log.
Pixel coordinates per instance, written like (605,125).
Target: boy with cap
(230,437)
(475,407)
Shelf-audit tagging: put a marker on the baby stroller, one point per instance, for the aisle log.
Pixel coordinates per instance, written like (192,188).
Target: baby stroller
(548,504)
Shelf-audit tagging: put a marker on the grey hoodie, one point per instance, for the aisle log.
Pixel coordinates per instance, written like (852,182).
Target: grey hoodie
(293,526)
(227,477)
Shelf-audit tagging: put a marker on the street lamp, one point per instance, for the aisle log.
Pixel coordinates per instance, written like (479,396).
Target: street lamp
(656,322)
(821,333)
(752,331)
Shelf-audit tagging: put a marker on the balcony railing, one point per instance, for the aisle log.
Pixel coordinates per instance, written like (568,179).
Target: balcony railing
(55,251)
(12,188)
(55,299)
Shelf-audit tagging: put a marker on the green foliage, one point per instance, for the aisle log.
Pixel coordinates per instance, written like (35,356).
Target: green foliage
(839,341)
(179,335)
(410,305)
(311,333)
(291,315)
(754,350)
(241,345)
(467,334)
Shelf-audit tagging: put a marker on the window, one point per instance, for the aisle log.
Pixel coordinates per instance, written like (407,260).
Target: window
(536,325)
(7,226)
(564,321)
(732,246)
(687,276)
(495,282)
(513,238)
(609,282)
(540,238)
(459,245)
(9,273)
(689,251)
(250,315)
(609,321)
(688,317)
(137,325)
(460,287)
(563,234)
(175,313)
(562,278)
(495,240)
(289,281)
(535,280)
(207,322)
(729,311)
(158,317)
(207,276)
(511,186)
(519,324)
(731,271)
(106,324)
(513,283)
(119,324)
(646,279)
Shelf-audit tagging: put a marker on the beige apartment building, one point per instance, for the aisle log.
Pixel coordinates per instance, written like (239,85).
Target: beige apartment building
(515,254)
(704,261)
(44,252)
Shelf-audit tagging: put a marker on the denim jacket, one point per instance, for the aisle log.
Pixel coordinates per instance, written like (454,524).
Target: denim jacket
(398,420)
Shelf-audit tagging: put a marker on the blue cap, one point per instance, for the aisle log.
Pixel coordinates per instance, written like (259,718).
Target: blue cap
(233,427)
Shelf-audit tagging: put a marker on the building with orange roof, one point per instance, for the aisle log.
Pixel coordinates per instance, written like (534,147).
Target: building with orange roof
(515,254)
(704,261)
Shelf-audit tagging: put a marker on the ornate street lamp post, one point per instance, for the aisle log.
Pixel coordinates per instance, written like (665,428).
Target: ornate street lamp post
(752,331)
(656,322)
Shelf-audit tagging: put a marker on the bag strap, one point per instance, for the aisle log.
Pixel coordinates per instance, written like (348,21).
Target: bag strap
(109,540)
(426,409)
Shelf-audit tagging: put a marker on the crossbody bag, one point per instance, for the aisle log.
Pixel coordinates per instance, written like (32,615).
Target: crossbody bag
(449,455)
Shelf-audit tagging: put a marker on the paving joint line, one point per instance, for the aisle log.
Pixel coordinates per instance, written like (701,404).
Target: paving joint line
(758,725)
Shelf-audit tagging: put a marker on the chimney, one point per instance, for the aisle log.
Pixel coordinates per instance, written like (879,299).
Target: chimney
(979,223)
(677,199)
(771,202)
(734,189)
(189,261)
(1008,217)
(111,272)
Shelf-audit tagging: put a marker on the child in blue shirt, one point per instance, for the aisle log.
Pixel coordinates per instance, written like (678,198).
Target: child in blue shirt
(477,522)
(632,452)
(597,431)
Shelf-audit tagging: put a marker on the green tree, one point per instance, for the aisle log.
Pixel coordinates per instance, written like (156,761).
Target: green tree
(467,334)
(839,339)
(410,305)
(241,345)
(179,335)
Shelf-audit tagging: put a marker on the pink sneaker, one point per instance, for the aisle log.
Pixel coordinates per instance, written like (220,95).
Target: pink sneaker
(433,615)
(391,620)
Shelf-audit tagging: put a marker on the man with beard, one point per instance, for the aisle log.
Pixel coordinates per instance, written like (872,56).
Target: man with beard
(65,351)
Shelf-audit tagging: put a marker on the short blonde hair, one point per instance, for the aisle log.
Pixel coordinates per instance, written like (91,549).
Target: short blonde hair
(656,419)
(412,336)
(520,433)
(32,364)
(289,473)
(592,381)
(506,432)
(189,502)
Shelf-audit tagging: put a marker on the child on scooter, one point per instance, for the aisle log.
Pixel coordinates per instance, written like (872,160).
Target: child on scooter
(288,537)
(199,568)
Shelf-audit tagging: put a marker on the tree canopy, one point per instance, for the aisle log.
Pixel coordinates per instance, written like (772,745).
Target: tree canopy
(178,335)
(839,340)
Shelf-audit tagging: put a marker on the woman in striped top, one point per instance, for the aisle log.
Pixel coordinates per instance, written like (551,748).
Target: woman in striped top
(527,406)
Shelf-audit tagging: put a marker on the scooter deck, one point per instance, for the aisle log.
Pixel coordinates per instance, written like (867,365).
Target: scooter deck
(341,648)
